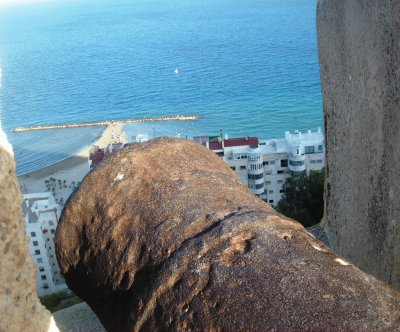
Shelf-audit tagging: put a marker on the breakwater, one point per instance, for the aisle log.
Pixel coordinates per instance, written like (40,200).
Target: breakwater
(108,122)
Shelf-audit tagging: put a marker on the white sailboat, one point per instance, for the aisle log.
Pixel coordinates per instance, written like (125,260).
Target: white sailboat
(176,71)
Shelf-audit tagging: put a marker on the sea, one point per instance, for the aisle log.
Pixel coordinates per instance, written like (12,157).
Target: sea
(246,67)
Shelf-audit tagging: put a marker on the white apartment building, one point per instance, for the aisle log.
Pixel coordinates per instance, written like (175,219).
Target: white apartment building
(41,219)
(264,165)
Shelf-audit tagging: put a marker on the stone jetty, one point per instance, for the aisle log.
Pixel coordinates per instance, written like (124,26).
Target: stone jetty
(108,122)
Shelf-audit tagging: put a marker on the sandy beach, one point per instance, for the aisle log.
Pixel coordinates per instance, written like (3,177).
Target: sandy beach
(69,172)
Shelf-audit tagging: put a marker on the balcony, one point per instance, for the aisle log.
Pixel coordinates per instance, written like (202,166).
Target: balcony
(297,164)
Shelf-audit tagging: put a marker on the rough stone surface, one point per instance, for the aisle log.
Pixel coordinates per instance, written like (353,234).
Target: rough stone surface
(359,54)
(20,309)
(78,318)
(163,236)
(319,232)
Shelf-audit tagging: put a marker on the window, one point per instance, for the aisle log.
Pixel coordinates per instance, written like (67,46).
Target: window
(254,156)
(51,223)
(284,163)
(281,172)
(296,163)
(313,161)
(268,172)
(39,260)
(319,161)
(37,252)
(280,181)
(270,191)
(33,234)
(256,186)
(52,231)
(271,201)
(35,243)
(238,156)
(320,147)
(255,167)
(242,167)
(267,182)
(41,269)
(233,168)
(272,162)
(265,163)
(43,277)
(309,149)
(45,286)
(281,191)
(255,176)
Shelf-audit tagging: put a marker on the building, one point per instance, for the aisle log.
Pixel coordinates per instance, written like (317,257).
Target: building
(264,165)
(97,154)
(41,219)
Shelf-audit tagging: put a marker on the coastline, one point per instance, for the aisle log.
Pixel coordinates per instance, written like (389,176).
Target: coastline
(72,169)
(80,153)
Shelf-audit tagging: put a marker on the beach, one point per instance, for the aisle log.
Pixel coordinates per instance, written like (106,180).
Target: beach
(69,172)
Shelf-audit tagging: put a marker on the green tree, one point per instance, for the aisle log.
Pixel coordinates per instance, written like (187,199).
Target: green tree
(303,198)
(47,183)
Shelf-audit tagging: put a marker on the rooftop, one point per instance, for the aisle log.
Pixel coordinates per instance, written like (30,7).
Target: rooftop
(282,145)
(218,143)
(306,136)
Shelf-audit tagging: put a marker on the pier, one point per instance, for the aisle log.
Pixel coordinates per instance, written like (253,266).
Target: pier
(108,122)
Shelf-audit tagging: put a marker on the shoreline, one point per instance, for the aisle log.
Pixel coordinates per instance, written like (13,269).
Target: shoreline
(72,156)
(71,169)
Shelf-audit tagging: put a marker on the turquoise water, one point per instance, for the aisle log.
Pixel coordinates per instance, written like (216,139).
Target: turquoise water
(247,67)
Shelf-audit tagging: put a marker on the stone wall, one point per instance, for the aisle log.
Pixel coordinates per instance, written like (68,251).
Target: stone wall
(359,54)
(20,309)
